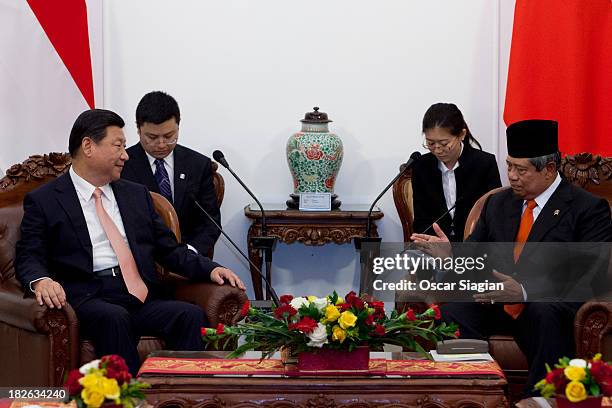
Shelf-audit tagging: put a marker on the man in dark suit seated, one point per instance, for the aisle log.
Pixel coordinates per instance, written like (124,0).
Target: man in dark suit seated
(172,170)
(539,207)
(92,239)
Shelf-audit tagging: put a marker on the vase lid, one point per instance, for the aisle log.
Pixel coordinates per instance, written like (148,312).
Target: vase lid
(316,117)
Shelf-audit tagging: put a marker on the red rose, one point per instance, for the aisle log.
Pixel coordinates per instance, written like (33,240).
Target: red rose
(119,375)
(116,368)
(202,331)
(379,308)
(305,325)
(457,333)
(601,371)
(245,308)
(410,315)
(344,307)
(284,311)
(314,152)
(557,377)
(354,300)
(379,330)
(369,320)
(436,310)
(220,329)
(357,303)
(349,296)
(286,299)
(72,382)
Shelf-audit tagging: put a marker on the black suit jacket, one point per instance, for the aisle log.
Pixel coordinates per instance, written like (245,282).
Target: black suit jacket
(196,228)
(476,175)
(571,215)
(55,240)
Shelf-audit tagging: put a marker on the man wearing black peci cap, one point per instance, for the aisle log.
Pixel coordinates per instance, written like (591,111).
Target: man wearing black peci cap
(540,206)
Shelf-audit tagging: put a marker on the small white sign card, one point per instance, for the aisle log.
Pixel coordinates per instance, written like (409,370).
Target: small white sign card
(315,201)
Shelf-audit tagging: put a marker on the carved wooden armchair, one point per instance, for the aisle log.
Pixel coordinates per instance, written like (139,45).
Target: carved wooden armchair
(40,345)
(593,322)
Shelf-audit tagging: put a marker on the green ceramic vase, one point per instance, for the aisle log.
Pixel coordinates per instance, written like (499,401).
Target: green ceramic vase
(314,156)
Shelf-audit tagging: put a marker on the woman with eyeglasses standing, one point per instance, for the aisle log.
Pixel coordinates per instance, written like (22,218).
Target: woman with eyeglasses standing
(455,172)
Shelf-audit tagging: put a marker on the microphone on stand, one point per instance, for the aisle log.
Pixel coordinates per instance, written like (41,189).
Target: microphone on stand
(369,252)
(220,158)
(443,215)
(413,157)
(271,290)
(265,243)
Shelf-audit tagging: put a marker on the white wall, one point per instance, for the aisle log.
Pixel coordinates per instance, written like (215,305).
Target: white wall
(39,100)
(244,72)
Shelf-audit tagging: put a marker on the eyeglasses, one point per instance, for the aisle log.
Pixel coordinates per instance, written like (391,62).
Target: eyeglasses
(442,144)
(168,141)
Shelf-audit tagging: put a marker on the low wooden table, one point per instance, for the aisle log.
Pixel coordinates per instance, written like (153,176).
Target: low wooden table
(325,392)
(313,228)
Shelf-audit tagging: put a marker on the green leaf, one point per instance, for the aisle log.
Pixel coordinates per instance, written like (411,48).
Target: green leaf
(594,390)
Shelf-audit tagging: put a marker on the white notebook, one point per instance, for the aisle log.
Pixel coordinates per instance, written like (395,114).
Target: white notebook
(460,357)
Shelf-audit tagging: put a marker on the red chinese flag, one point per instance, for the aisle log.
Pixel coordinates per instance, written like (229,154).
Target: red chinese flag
(561,68)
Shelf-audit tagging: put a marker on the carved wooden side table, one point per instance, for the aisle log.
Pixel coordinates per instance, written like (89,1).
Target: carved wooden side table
(313,228)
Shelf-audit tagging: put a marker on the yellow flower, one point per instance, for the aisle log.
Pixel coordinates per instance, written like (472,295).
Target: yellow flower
(110,388)
(331,314)
(574,373)
(90,380)
(338,334)
(575,391)
(347,319)
(311,298)
(339,301)
(597,357)
(92,398)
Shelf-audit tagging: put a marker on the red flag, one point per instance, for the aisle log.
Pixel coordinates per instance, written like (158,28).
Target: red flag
(65,23)
(561,68)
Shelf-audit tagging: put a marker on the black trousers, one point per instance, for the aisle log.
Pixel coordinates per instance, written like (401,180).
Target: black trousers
(543,331)
(114,321)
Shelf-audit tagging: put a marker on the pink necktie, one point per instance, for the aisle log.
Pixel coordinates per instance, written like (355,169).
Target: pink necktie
(133,281)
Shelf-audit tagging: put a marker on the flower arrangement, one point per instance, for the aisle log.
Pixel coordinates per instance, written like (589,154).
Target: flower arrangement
(105,381)
(577,379)
(311,323)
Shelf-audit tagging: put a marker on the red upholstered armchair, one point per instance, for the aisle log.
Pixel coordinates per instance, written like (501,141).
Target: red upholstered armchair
(40,345)
(593,322)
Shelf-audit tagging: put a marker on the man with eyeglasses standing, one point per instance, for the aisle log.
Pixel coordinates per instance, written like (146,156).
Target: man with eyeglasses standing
(173,171)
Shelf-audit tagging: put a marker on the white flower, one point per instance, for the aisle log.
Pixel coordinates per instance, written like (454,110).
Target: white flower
(318,337)
(86,367)
(578,362)
(298,302)
(320,303)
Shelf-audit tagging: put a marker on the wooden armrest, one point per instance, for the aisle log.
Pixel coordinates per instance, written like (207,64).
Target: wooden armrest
(222,303)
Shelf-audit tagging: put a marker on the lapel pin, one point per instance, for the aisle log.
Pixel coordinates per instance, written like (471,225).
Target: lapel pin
(182,176)
(556,212)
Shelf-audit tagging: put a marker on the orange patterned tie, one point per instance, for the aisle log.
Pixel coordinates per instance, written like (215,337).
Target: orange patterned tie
(133,281)
(524,229)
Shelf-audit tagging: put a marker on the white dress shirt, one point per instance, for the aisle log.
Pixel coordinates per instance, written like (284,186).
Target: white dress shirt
(543,198)
(449,183)
(541,201)
(103,254)
(169,164)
